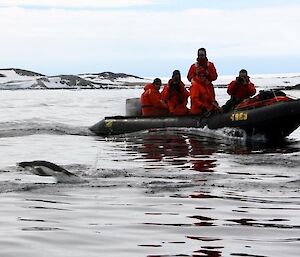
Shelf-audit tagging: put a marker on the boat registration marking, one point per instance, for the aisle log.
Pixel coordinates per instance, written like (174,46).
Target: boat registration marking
(239,116)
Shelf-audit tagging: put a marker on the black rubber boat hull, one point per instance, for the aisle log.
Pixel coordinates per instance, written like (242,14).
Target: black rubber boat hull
(275,121)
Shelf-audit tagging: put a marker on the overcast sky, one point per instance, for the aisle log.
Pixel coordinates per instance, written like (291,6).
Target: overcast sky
(149,37)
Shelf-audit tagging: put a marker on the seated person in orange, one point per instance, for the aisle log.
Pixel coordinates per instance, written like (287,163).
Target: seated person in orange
(202,93)
(239,89)
(176,95)
(151,101)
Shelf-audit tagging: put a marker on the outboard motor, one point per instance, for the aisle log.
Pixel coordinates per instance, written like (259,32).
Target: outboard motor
(133,107)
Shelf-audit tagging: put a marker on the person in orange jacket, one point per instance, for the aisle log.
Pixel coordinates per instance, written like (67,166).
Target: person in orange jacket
(202,93)
(176,95)
(239,89)
(151,100)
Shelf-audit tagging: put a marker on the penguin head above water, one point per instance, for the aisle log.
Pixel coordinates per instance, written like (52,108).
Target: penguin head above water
(45,168)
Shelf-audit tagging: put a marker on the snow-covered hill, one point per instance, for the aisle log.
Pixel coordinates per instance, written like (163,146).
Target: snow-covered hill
(11,79)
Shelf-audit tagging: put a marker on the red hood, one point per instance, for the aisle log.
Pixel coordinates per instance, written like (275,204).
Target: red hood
(150,86)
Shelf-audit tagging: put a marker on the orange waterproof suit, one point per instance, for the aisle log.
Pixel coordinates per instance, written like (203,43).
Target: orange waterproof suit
(152,103)
(202,91)
(176,96)
(239,91)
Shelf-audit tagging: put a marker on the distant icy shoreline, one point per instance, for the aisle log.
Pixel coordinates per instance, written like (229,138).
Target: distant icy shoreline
(16,79)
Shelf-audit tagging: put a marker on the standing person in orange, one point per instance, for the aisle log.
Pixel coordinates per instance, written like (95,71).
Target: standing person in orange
(176,95)
(202,93)
(239,89)
(151,100)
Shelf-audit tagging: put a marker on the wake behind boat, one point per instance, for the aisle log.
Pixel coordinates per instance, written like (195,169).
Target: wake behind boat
(274,116)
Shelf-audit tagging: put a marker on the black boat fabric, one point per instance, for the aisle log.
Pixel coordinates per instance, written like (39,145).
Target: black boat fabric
(274,121)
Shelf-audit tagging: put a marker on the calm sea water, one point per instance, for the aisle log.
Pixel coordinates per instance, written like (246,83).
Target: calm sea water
(158,193)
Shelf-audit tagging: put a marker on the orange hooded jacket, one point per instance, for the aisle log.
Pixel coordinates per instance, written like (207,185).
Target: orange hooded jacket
(241,92)
(202,91)
(176,98)
(201,100)
(152,103)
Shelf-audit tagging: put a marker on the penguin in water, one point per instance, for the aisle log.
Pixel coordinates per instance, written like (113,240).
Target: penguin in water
(45,168)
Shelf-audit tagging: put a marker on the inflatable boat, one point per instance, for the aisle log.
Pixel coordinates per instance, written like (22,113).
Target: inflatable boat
(273,115)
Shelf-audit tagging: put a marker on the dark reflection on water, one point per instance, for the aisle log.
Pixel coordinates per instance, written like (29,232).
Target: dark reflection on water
(266,224)
(168,224)
(196,151)
(205,252)
(175,149)
(40,229)
(204,239)
(203,221)
(42,206)
(47,208)
(157,146)
(208,252)
(45,201)
(30,220)
(248,192)
(202,195)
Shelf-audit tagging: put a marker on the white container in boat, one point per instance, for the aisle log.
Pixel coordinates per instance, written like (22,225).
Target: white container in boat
(133,107)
